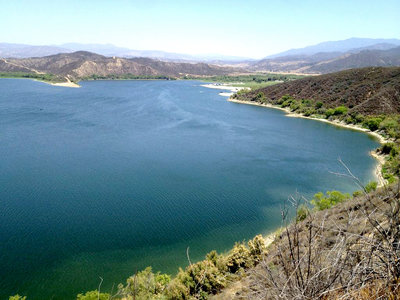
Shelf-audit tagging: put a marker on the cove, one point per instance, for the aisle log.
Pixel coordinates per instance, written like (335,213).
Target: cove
(107,179)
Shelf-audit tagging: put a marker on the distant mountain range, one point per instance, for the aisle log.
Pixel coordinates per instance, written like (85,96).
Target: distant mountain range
(343,46)
(26,51)
(82,64)
(328,62)
(322,58)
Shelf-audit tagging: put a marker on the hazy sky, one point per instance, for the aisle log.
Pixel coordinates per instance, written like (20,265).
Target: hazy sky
(244,28)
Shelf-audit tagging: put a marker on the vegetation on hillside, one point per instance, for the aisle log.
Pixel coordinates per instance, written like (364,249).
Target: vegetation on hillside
(127,76)
(42,77)
(253,81)
(368,91)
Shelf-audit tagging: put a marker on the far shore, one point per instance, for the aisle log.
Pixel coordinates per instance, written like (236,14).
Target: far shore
(223,87)
(379,158)
(63,84)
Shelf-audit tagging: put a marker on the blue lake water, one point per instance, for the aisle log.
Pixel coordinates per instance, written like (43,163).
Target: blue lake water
(107,179)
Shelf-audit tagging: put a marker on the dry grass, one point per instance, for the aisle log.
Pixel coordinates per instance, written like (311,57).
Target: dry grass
(350,251)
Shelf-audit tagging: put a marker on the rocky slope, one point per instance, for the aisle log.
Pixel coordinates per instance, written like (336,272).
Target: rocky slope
(369,91)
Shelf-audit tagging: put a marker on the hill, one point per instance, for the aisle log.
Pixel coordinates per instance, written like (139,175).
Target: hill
(328,62)
(368,90)
(82,64)
(343,46)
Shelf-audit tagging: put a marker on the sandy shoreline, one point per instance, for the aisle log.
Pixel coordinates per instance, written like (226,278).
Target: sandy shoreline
(379,158)
(65,84)
(232,89)
(223,87)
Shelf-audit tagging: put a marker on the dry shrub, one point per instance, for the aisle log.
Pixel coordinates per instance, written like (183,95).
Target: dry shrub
(351,251)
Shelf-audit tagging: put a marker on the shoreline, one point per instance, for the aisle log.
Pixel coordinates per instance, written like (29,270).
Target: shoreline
(222,86)
(62,84)
(380,159)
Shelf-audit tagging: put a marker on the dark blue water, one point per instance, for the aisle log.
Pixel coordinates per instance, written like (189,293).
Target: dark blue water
(109,178)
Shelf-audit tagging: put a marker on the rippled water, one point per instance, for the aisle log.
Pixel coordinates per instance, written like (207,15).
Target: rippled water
(118,175)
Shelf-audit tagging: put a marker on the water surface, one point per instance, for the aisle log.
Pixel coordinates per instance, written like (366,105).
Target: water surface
(109,178)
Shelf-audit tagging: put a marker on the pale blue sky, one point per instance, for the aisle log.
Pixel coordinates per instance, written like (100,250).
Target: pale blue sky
(247,28)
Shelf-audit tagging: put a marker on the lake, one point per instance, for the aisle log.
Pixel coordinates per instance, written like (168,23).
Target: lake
(107,179)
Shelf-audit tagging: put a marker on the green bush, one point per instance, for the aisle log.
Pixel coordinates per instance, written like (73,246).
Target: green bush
(146,284)
(308,112)
(357,193)
(256,249)
(387,148)
(260,97)
(318,105)
(93,295)
(321,202)
(340,110)
(294,105)
(391,126)
(359,118)
(302,213)
(372,123)
(329,112)
(18,297)
(371,186)
(238,258)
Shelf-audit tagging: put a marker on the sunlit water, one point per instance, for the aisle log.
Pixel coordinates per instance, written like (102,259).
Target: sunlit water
(107,179)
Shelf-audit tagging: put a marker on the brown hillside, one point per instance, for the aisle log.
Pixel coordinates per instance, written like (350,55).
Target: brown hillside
(84,64)
(374,90)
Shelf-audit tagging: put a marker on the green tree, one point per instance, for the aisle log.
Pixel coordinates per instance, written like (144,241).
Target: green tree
(321,201)
(372,123)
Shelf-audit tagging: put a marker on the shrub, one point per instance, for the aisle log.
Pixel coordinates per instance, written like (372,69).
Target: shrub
(302,213)
(390,126)
(349,120)
(93,295)
(308,112)
(260,97)
(340,110)
(329,112)
(256,249)
(321,202)
(357,193)
(146,284)
(306,102)
(238,258)
(371,186)
(179,287)
(318,105)
(294,105)
(372,123)
(386,148)
(18,297)
(359,118)
(389,123)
